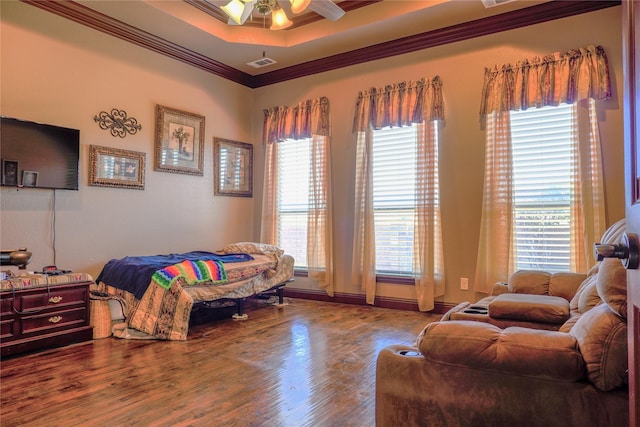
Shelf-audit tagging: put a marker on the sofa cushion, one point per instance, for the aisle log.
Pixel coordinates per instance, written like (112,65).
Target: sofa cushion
(538,282)
(537,308)
(589,297)
(612,285)
(530,282)
(565,284)
(602,337)
(518,351)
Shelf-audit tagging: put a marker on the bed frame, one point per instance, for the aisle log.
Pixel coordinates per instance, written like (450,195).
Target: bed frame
(277,290)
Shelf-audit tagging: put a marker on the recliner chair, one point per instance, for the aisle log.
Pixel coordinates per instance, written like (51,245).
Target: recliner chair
(474,373)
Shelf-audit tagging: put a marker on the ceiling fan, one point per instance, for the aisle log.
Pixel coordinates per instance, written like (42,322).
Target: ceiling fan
(240,10)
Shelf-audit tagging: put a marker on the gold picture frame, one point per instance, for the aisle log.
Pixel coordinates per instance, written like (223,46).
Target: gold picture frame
(233,168)
(114,167)
(179,141)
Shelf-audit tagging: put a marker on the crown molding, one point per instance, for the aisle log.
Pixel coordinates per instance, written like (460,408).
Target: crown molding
(481,27)
(98,21)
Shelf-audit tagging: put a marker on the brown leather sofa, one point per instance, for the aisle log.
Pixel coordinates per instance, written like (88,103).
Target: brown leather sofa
(475,373)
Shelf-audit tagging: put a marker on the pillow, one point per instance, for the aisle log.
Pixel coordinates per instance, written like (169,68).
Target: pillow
(612,285)
(252,248)
(602,338)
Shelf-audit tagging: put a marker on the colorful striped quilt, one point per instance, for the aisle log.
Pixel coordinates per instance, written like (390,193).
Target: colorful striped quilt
(192,271)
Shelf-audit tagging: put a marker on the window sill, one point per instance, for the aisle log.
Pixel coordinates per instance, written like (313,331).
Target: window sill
(396,280)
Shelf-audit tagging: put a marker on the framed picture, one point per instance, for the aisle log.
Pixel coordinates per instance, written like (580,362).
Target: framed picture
(9,172)
(29,178)
(179,144)
(233,168)
(114,167)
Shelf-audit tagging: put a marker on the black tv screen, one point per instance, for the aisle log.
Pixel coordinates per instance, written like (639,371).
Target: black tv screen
(36,155)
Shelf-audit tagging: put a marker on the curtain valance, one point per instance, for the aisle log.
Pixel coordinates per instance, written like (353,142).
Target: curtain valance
(550,80)
(399,104)
(308,118)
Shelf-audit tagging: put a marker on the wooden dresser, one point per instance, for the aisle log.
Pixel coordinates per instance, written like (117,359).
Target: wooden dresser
(38,312)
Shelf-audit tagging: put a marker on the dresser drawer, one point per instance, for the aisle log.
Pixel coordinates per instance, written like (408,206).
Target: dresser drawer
(41,317)
(8,329)
(53,320)
(6,307)
(55,298)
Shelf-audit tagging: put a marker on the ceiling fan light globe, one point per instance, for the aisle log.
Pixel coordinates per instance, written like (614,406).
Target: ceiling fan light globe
(234,10)
(298,6)
(279,20)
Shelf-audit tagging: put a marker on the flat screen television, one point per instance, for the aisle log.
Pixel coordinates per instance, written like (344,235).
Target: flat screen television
(36,155)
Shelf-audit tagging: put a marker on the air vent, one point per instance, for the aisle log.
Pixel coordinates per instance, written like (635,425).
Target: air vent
(262,62)
(491,3)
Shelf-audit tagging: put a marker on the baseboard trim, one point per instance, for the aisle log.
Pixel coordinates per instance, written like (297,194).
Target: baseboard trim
(358,299)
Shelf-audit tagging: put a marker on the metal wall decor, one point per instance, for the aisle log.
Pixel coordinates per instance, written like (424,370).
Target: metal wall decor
(117,123)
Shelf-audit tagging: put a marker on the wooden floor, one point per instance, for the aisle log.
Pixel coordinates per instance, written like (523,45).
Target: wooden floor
(309,363)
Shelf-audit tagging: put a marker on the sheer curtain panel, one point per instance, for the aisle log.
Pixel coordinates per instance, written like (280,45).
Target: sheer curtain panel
(308,119)
(416,103)
(575,77)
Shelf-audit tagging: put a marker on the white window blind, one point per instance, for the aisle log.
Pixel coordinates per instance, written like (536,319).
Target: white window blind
(293,198)
(394,176)
(543,163)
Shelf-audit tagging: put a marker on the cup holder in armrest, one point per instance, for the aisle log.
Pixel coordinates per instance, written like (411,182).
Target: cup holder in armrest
(476,310)
(410,353)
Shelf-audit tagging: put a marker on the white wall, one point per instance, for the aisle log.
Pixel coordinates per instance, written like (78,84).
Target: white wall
(58,72)
(461,67)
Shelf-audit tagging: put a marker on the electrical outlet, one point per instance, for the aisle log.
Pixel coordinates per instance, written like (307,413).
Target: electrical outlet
(464,283)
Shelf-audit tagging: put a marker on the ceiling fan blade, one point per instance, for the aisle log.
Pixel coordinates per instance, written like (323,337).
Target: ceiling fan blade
(298,6)
(326,8)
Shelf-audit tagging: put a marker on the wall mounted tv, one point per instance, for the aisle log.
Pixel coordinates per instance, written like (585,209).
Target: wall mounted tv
(36,155)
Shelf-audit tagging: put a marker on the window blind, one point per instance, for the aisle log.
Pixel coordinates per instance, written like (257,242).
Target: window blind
(543,164)
(394,176)
(293,198)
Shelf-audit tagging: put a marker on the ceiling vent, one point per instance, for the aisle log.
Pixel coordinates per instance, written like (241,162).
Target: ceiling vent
(491,3)
(262,62)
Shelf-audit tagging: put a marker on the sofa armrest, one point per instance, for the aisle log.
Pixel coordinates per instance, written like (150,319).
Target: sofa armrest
(516,351)
(499,288)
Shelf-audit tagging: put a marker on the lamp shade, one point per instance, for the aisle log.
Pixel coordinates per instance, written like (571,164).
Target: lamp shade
(298,6)
(234,9)
(279,20)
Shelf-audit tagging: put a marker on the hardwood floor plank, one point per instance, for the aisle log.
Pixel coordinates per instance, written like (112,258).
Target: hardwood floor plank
(309,363)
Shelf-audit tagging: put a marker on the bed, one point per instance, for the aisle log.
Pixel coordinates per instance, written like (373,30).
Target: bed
(158,293)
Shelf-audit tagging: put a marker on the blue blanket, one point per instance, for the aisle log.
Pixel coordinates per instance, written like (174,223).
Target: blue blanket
(133,273)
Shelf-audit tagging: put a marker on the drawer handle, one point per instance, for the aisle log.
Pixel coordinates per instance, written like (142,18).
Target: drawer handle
(55,299)
(55,319)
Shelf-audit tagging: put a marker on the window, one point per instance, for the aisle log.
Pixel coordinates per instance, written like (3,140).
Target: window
(543,163)
(293,198)
(394,198)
